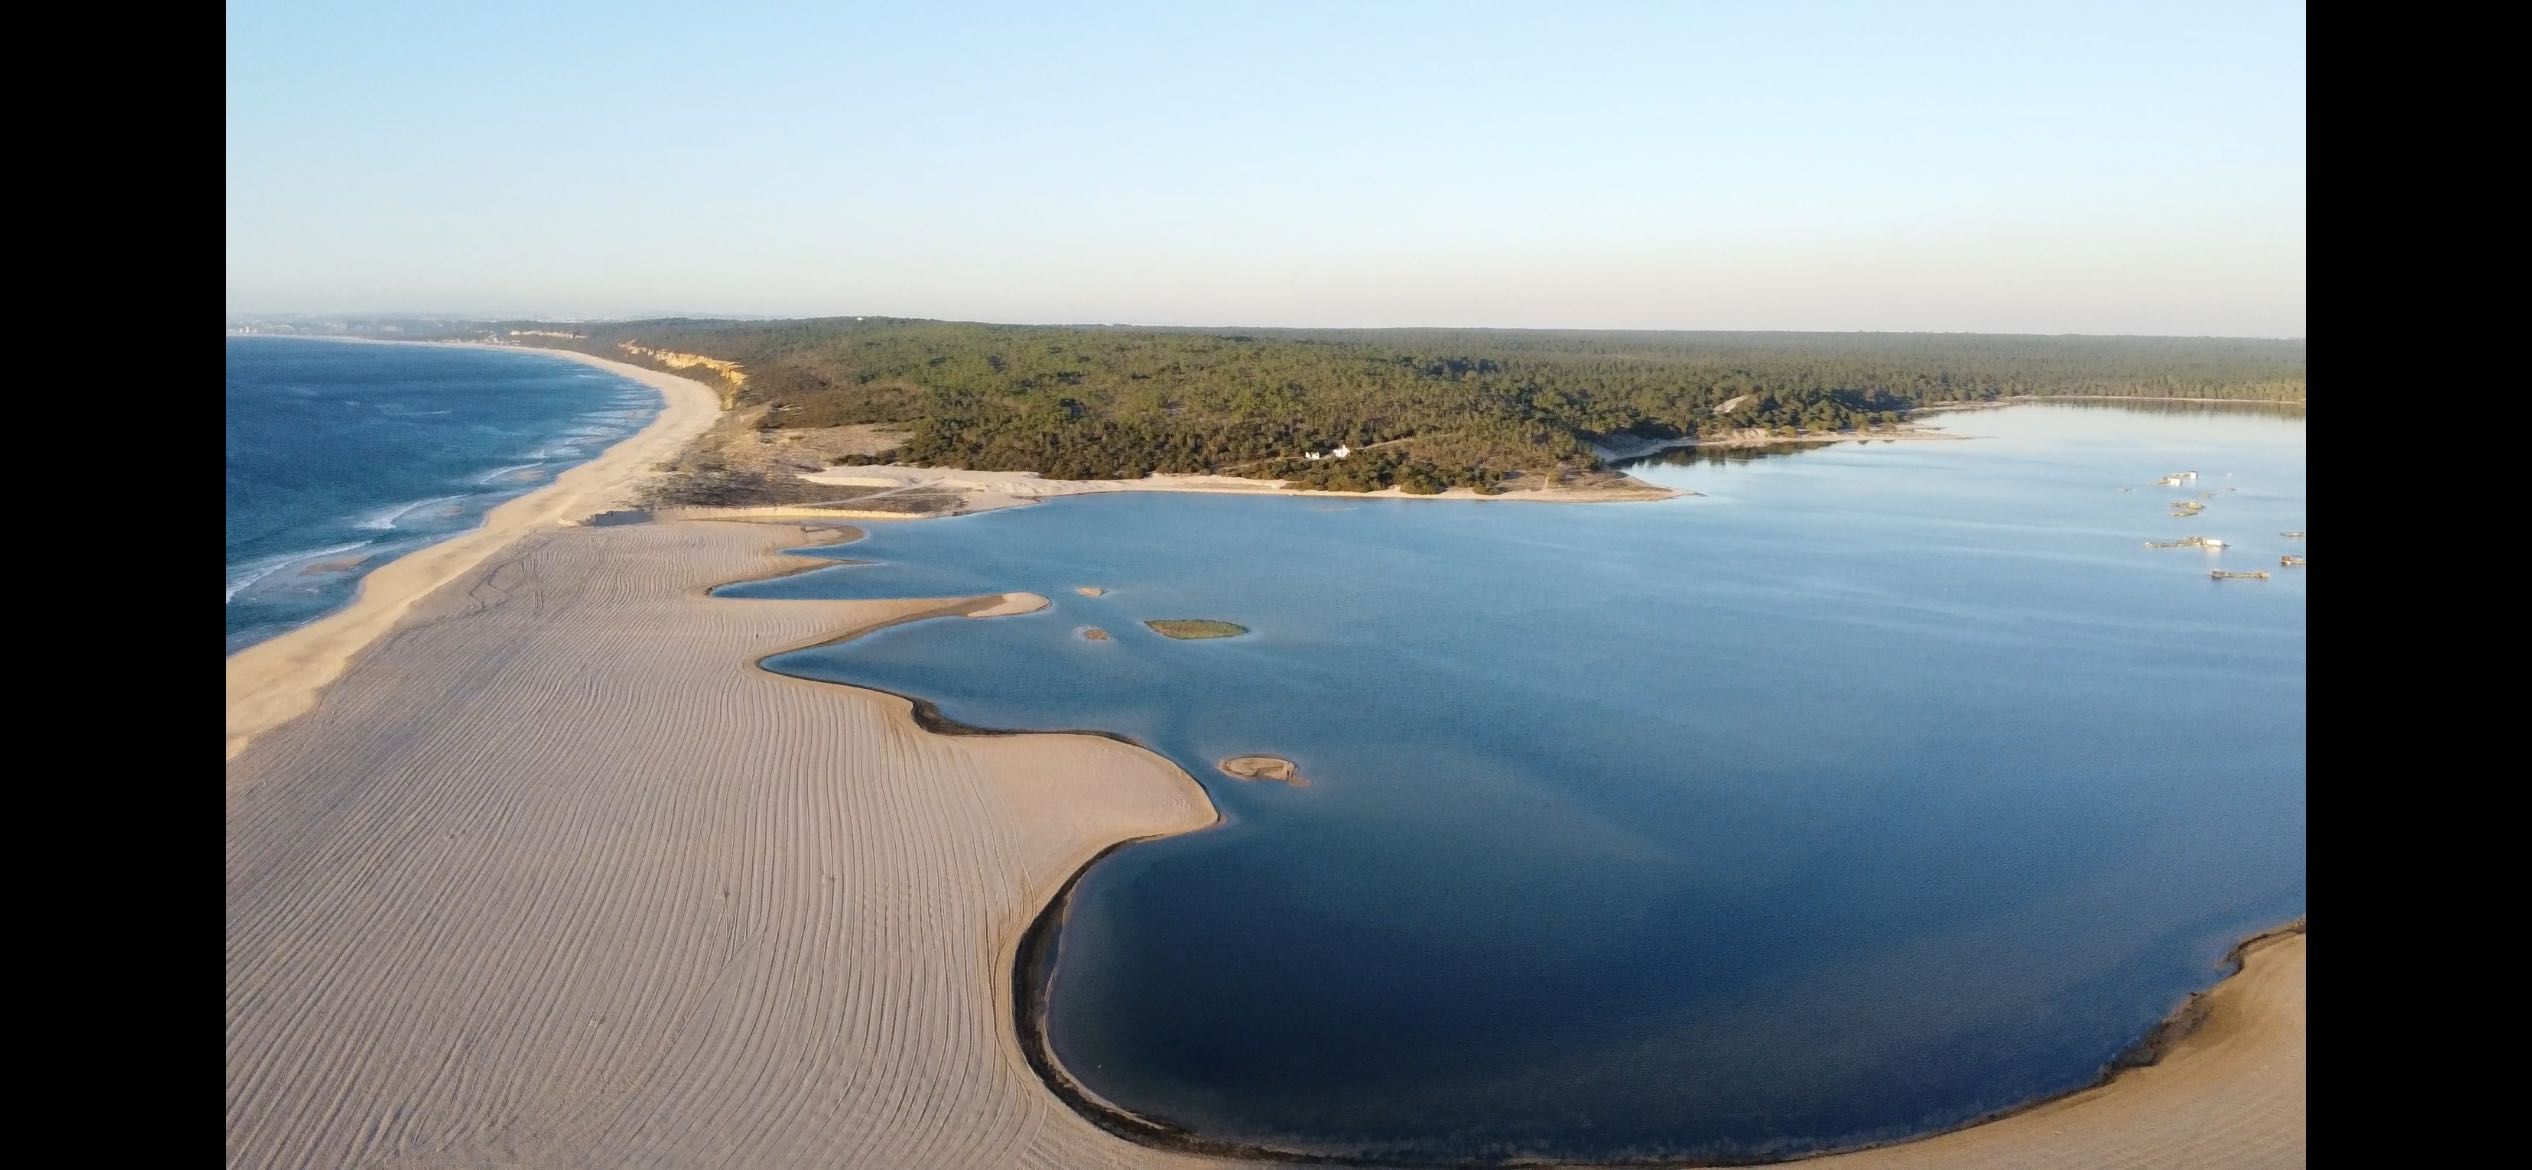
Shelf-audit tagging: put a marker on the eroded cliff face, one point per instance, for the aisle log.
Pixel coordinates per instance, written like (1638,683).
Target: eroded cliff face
(728,370)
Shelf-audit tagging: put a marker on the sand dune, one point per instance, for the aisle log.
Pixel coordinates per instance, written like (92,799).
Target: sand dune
(557,877)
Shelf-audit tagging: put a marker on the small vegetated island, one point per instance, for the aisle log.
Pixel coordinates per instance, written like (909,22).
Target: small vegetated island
(1193,628)
(1420,410)
(1274,768)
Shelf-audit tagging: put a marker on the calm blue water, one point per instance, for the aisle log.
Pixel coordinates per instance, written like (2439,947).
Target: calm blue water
(1880,787)
(342,457)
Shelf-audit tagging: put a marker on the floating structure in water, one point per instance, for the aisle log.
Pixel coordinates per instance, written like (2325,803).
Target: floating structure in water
(2291,535)
(2232,575)
(2291,561)
(2187,508)
(2176,479)
(2187,542)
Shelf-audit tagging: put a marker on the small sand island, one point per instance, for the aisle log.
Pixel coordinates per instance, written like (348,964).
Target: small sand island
(1192,628)
(1093,633)
(1088,590)
(1275,768)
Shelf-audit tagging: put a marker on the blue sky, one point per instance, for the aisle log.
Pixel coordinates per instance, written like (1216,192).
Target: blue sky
(2047,168)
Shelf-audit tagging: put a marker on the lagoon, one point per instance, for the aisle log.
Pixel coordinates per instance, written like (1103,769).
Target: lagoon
(1879,787)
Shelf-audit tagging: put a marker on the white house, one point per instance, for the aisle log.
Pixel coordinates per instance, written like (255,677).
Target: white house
(1312,456)
(1341,451)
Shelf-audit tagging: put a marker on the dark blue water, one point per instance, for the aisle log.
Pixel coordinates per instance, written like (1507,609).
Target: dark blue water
(1882,786)
(343,456)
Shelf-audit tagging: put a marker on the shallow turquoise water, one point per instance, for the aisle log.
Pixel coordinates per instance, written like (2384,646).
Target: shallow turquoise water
(1880,787)
(342,457)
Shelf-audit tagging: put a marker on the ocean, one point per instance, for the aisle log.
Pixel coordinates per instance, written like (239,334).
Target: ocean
(344,456)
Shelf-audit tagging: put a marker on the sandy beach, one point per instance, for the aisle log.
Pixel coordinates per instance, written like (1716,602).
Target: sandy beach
(274,680)
(554,875)
(987,490)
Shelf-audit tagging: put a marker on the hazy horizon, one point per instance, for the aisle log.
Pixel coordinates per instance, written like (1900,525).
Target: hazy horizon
(617,319)
(1966,168)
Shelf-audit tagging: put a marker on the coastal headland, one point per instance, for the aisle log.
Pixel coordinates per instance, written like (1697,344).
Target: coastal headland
(529,862)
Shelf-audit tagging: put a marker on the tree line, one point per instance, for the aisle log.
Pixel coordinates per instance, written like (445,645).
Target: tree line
(1432,408)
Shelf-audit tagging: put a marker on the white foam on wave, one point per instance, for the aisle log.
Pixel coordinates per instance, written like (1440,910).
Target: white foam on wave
(245,576)
(491,476)
(384,519)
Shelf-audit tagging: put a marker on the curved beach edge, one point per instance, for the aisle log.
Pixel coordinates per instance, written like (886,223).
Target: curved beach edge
(279,679)
(2014,1134)
(2054,1130)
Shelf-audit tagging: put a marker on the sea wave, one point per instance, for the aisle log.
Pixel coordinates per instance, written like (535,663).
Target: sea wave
(242,577)
(495,476)
(384,519)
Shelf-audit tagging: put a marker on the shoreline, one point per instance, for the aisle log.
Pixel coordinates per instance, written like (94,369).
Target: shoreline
(1032,984)
(666,681)
(2031,399)
(985,491)
(279,678)
(1034,956)
(1642,447)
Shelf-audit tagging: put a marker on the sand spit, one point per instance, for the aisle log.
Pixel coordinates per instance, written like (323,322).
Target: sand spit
(1013,603)
(274,681)
(783,512)
(1089,590)
(987,490)
(557,876)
